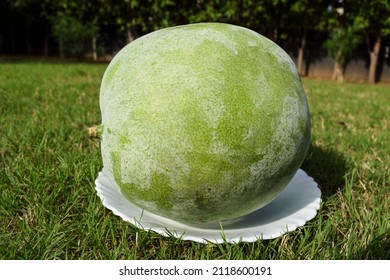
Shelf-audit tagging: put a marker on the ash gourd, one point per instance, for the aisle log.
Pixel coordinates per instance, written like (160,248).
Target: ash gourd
(202,123)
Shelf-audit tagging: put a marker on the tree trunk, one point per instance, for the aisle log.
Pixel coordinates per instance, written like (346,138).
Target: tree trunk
(275,35)
(131,35)
(94,48)
(338,72)
(374,54)
(301,52)
(46,44)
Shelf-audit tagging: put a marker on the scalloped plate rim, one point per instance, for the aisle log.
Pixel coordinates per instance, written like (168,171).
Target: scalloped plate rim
(113,200)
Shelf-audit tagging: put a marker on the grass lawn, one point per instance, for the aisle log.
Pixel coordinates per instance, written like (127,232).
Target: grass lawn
(49,208)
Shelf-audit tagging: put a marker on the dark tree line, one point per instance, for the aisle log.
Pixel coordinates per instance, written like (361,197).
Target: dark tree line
(95,27)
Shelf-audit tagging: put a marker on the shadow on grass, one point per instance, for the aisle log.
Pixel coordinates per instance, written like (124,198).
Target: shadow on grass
(327,167)
(376,249)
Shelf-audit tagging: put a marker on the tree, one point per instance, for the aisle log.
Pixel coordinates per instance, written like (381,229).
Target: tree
(134,16)
(341,43)
(213,11)
(344,36)
(75,25)
(21,17)
(374,16)
(59,15)
(305,15)
(127,16)
(73,36)
(268,17)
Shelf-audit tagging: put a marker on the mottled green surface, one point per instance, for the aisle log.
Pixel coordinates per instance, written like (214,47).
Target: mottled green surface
(202,122)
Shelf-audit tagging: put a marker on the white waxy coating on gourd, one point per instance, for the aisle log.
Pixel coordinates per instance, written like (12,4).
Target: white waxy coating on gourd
(202,122)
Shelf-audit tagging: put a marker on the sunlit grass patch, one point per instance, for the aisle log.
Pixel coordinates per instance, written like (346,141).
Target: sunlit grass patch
(49,208)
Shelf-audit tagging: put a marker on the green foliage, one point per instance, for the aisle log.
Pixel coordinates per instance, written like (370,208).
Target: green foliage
(213,11)
(342,43)
(373,16)
(73,37)
(304,14)
(277,19)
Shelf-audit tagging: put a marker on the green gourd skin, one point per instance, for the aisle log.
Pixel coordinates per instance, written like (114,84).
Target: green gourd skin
(202,123)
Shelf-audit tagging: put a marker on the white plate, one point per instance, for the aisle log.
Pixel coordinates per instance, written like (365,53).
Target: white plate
(297,204)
